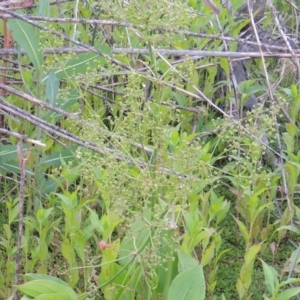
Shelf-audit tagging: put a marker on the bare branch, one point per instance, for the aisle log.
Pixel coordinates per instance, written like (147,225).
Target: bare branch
(22,137)
(55,130)
(167,52)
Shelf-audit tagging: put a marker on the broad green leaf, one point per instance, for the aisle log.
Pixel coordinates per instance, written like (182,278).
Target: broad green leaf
(43,251)
(240,288)
(55,159)
(94,218)
(251,254)
(35,288)
(259,210)
(295,163)
(208,254)
(13,212)
(43,8)
(197,238)
(253,203)
(292,173)
(134,241)
(80,246)
(289,141)
(55,296)
(104,48)
(34,276)
(209,80)
(185,261)
(13,166)
(180,98)
(243,230)
(188,285)
(271,279)
(289,227)
(236,30)
(291,129)
(294,91)
(52,87)
(225,66)
(43,214)
(254,89)
(288,294)
(168,268)
(246,271)
(297,213)
(79,65)
(8,231)
(8,153)
(223,213)
(68,251)
(28,38)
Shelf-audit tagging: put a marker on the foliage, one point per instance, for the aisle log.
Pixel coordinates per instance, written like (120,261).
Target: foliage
(140,173)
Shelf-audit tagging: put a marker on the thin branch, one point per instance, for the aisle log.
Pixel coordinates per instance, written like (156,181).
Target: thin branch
(160,29)
(66,38)
(272,9)
(249,3)
(293,5)
(38,102)
(55,130)
(22,137)
(166,52)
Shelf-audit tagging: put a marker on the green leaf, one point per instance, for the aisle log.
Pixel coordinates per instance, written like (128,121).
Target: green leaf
(138,237)
(225,65)
(79,65)
(28,38)
(105,49)
(291,129)
(289,227)
(188,285)
(13,167)
(43,214)
(289,141)
(180,98)
(8,153)
(240,288)
(55,296)
(35,288)
(68,251)
(292,173)
(251,255)
(223,297)
(55,159)
(208,254)
(297,213)
(254,89)
(197,238)
(33,276)
(271,279)
(94,218)
(185,261)
(289,293)
(243,230)
(52,87)
(43,8)
(294,91)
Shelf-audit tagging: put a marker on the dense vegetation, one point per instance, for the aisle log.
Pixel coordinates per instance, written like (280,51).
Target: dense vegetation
(128,167)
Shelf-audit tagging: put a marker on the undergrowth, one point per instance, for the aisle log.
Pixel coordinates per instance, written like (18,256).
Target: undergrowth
(138,177)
